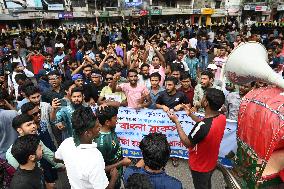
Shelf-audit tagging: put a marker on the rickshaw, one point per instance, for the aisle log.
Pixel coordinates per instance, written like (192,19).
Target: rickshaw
(259,160)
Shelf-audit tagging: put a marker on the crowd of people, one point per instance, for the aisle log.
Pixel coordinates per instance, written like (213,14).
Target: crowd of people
(60,90)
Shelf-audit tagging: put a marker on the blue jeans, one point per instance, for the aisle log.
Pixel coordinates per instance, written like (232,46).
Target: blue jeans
(203,60)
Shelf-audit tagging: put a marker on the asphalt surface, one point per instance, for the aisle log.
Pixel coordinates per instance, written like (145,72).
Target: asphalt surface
(181,172)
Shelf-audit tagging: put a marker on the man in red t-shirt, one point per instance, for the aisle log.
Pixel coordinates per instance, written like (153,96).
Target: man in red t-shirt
(205,138)
(36,59)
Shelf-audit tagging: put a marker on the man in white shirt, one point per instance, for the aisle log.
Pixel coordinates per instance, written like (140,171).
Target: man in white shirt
(84,162)
(193,41)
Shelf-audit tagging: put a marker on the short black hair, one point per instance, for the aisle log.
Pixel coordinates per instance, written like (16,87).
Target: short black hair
(106,114)
(185,75)
(27,107)
(77,89)
(180,52)
(25,146)
(138,181)
(67,84)
(215,98)
(14,65)
(55,72)
(22,77)
(156,74)
(82,118)
(173,79)
(155,150)
(88,65)
(192,49)
(144,65)
(31,90)
(133,71)
(19,120)
(208,73)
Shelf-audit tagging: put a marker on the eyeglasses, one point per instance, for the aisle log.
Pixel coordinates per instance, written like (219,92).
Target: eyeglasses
(109,78)
(35,113)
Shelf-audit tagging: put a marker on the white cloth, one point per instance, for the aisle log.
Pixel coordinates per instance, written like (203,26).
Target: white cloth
(84,164)
(193,42)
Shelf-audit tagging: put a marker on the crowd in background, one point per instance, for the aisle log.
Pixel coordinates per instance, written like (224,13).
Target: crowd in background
(50,77)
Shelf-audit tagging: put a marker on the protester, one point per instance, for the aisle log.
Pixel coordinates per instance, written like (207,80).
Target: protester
(204,139)
(108,144)
(27,150)
(84,162)
(156,153)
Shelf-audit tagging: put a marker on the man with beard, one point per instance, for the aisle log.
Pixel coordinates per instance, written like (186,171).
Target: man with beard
(143,77)
(206,82)
(171,98)
(192,63)
(204,139)
(137,95)
(233,101)
(56,90)
(64,115)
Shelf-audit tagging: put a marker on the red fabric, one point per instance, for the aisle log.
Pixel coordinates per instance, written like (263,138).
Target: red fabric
(261,127)
(73,48)
(203,156)
(281,174)
(37,63)
(189,94)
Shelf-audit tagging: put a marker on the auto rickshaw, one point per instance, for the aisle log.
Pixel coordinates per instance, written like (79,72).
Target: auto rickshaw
(259,160)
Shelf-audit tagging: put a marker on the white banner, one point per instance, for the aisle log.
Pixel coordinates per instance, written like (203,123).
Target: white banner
(134,124)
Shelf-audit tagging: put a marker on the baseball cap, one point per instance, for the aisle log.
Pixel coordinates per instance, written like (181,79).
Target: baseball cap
(212,67)
(76,77)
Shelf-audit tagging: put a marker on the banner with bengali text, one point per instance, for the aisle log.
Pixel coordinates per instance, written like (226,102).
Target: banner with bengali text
(133,124)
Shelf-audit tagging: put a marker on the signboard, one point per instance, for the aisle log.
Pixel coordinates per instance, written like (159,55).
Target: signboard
(247,7)
(133,125)
(20,4)
(143,12)
(196,11)
(133,3)
(135,12)
(156,12)
(280,8)
(55,7)
(65,15)
(207,11)
(260,8)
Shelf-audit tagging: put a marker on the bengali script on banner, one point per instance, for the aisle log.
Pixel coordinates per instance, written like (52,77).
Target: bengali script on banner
(133,124)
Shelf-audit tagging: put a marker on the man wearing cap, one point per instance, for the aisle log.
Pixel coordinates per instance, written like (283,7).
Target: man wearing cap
(213,68)
(43,84)
(78,80)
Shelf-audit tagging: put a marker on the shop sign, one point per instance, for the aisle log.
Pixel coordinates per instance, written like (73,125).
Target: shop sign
(65,15)
(135,12)
(196,11)
(260,8)
(156,12)
(55,7)
(144,12)
(280,8)
(247,7)
(207,11)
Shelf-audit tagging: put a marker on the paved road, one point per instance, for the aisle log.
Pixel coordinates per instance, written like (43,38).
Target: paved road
(181,172)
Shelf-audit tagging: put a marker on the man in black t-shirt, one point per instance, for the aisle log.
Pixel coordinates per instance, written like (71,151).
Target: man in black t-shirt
(171,98)
(27,151)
